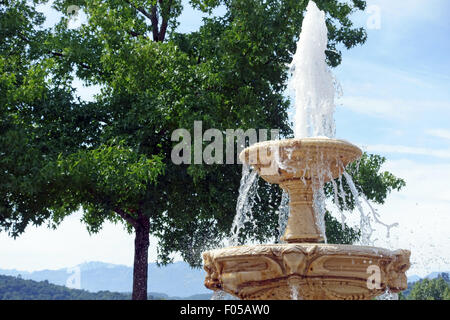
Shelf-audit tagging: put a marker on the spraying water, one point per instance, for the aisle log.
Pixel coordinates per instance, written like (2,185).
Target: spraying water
(313,86)
(248,191)
(222,295)
(246,200)
(283,214)
(388,295)
(295,295)
(314,89)
(312,81)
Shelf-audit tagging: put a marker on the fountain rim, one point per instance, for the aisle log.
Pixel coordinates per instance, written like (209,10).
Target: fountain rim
(279,161)
(311,143)
(324,248)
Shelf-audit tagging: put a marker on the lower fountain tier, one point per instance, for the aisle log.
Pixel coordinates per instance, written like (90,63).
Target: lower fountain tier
(316,271)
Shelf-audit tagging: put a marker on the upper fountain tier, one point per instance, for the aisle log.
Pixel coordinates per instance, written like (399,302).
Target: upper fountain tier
(315,160)
(301,167)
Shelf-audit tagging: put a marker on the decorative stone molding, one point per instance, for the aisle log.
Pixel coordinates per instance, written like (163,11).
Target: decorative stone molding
(317,271)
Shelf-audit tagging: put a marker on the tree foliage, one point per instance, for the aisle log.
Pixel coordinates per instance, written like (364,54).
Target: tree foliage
(430,289)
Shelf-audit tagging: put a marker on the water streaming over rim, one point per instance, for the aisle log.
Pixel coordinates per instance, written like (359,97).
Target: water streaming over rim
(295,292)
(248,191)
(283,214)
(247,194)
(388,295)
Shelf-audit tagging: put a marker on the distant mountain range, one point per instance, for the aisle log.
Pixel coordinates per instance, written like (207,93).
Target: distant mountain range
(177,280)
(432,275)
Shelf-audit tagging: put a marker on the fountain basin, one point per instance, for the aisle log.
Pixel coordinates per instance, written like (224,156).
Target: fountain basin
(306,159)
(316,271)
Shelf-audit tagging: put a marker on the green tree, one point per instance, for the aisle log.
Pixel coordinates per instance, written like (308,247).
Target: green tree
(111,157)
(447,294)
(431,289)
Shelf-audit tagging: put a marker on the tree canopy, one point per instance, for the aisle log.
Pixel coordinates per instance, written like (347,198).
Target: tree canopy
(430,289)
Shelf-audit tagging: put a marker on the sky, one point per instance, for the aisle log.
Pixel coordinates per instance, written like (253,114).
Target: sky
(395,102)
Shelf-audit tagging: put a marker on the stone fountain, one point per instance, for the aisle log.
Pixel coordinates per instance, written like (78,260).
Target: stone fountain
(303,262)
(317,270)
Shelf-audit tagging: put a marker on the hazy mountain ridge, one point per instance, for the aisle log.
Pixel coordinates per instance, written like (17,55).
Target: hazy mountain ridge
(174,280)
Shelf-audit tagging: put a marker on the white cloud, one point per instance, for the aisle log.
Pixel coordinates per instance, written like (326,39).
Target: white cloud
(427,182)
(367,71)
(385,148)
(401,10)
(393,108)
(439,133)
(386,90)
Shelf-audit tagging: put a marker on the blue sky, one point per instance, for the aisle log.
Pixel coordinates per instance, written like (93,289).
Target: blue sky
(396,86)
(396,102)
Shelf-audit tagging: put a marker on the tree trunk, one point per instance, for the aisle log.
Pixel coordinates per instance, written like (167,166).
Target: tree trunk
(140,270)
